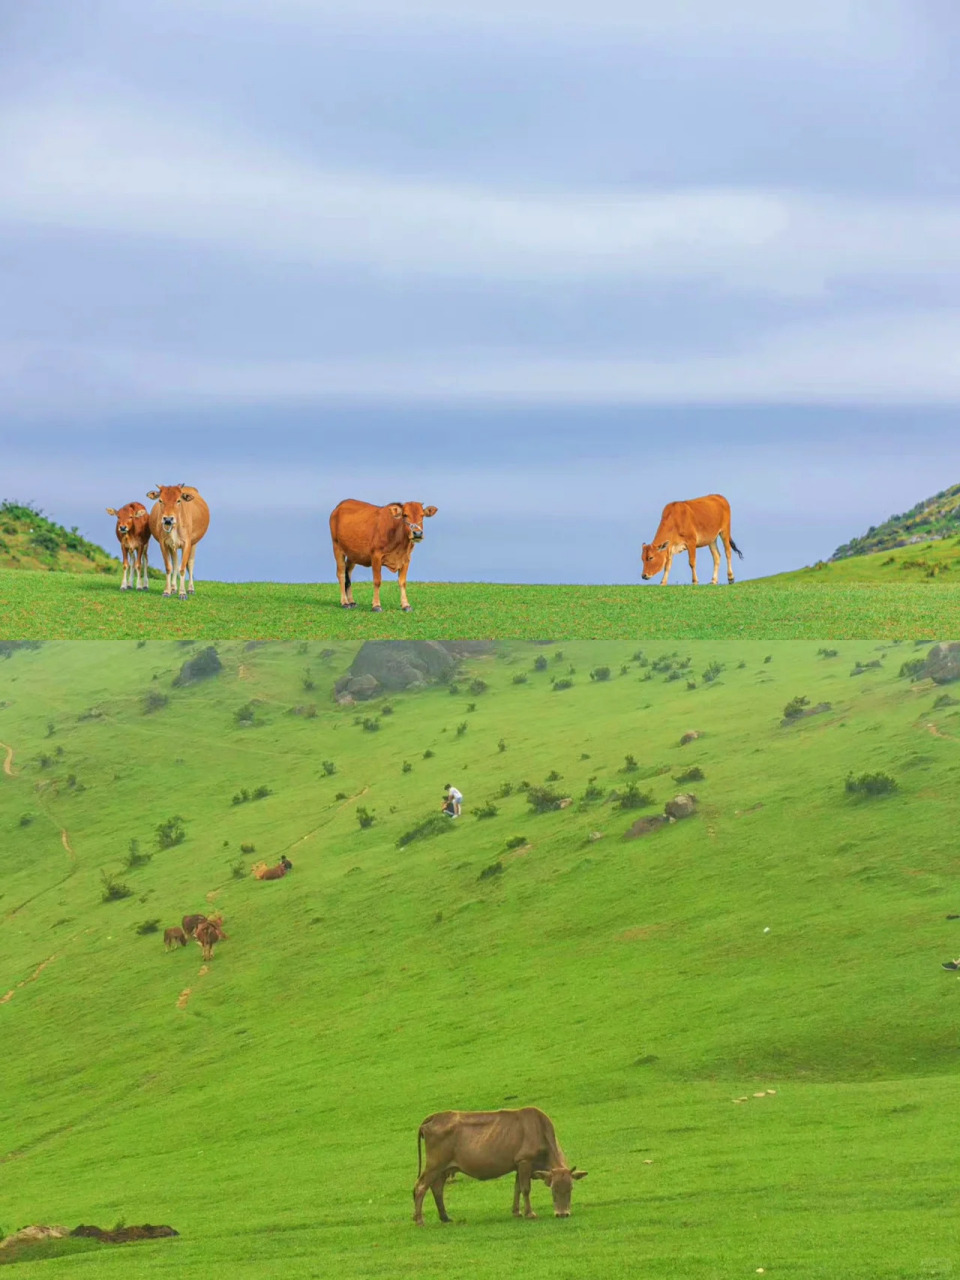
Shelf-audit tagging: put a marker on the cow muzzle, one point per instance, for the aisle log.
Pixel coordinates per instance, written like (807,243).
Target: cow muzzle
(124,528)
(416,535)
(168,522)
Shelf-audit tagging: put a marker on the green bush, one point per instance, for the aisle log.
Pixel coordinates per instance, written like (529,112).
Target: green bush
(629,765)
(912,669)
(562,684)
(693,774)
(113,890)
(794,708)
(148,926)
(600,674)
(329,768)
(542,799)
(539,663)
(869,785)
(154,700)
(520,679)
(364,817)
(488,810)
(171,832)
(516,842)
(431,826)
(495,869)
(478,686)
(633,798)
(134,858)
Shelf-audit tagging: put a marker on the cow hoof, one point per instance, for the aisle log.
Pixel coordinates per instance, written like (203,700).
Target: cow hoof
(378,608)
(183,596)
(124,588)
(407,608)
(167,594)
(191,591)
(346,605)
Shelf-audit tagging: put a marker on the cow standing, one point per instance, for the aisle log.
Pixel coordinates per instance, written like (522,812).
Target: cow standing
(133,534)
(685,526)
(178,520)
(174,937)
(207,933)
(490,1144)
(377,538)
(190,924)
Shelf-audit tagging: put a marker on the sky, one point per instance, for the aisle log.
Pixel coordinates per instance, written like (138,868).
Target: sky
(545,264)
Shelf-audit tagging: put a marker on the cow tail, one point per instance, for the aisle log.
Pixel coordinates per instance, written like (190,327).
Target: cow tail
(736,548)
(419,1152)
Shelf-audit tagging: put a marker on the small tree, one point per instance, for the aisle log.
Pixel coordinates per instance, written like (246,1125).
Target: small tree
(794,708)
(600,674)
(364,817)
(171,832)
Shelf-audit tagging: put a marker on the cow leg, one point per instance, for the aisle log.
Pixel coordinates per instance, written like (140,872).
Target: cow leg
(402,579)
(377,566)
(170,567)
(726,546)
(185,550)
(666,568)
(193,555)
(715,552)
(692,556)
(437,1189)
(143,585)
(423,1184)
(516,1196)
(125,556)
(524,1169)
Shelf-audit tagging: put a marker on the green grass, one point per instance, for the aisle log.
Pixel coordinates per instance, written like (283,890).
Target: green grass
(936,561)
(627,987)
(812,605)
(30,541)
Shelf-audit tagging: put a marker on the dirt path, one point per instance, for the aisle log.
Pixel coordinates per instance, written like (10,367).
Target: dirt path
(936,732)
(311,834)
(33,977)
(65,841)
(8,762)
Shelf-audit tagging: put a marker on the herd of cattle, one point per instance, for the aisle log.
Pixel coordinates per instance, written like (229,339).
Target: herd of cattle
(203,929)
(380,538)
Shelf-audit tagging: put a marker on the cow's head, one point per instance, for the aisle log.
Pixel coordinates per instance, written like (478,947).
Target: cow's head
(127,515)
(654,558)
(412,514)
(560,1181)
(170,498)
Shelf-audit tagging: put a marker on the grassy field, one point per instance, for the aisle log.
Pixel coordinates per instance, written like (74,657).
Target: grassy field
(925,562)
(814,604)
(267,1105)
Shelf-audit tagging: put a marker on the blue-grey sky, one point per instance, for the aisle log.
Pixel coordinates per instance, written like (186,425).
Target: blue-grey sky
(547,264)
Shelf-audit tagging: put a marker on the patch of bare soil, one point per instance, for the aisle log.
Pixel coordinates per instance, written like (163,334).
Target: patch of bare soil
(33,977)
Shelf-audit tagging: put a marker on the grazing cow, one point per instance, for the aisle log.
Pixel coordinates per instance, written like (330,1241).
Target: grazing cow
(133,534)
(190,924)
(207,933)
(489,1144)
(686,526)
(378,538)
(263,872)
(174,937)
(178,520)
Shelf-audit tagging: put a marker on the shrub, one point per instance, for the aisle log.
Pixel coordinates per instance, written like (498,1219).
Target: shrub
(244,715)
(27,818)
(308,683)
(386,709)
(248,848)
(794,708)
(593,792)
(134,858)
(944,700)
(406,767)
(827,653)
(454,690)
(515,842)
(371,726)
(558,656)
(238,870)
(461,728)
(154,700)
(870,784)
(148,926)
(542,799)
(428,754)
(539,663)
(488,810)
(471,706)
(501,746)
(633,798)
(553,776)
(44,761)
(329,768)
(562,684)
(624,670)
(768,658)
(478,686)
(520,679)
(640,658)
(506,789)
(202,667)
(600,674)
(913,669)
(261,793)
(431,826)
(693,774)
(712,671)
(341,795)
(171,832)
(51,728)
(364,817)
(629,765)
(495,869)
(861,667)
(113,890)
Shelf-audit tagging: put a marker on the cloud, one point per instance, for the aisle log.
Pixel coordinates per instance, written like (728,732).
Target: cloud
(906,359)
(126,170)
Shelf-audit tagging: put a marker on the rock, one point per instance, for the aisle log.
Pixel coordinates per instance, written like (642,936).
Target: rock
(690,736)
(123,1235)
(565,803)
(358,688)
(595,835)
(344,700)
(30,1235)
(643,826)
(943,663)
(682,806)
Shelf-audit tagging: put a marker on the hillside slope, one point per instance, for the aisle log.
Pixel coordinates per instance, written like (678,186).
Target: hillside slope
(28,540)
(933,518)
(932,562)
(267,1104)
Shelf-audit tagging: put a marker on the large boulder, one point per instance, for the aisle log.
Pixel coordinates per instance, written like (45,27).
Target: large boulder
(943,663)
(682,806)
(690,736)
(350,689)
(397,665)
(30,1235)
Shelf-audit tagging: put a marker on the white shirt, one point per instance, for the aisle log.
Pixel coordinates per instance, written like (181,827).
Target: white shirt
(454,794)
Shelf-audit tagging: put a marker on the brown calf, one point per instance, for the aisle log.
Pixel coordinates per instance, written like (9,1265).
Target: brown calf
(178,520)
(174,937)
(190,924)
(208,932)
(377,537)
(133,534)
(685,526)
(263,872)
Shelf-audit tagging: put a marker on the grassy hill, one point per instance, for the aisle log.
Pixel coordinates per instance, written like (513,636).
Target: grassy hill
(267,1105)
(28,540)
(936,517)
(924,563)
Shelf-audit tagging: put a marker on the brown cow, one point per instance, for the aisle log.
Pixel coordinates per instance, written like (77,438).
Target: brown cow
(133,534)
(174,937)
(207,933)
(684,526)
(489,1144)
(378,538)
(178,520)
(190,924)
(262,872)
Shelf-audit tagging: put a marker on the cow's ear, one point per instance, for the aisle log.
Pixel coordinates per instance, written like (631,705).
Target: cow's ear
(577,1174)
(545,1175)
(429,511)
(395,510)
(154,493)
(187,497)
(111,511)
(663,546)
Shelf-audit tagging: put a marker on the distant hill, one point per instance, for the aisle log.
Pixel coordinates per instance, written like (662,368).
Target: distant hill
(28,540)
(934,518)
